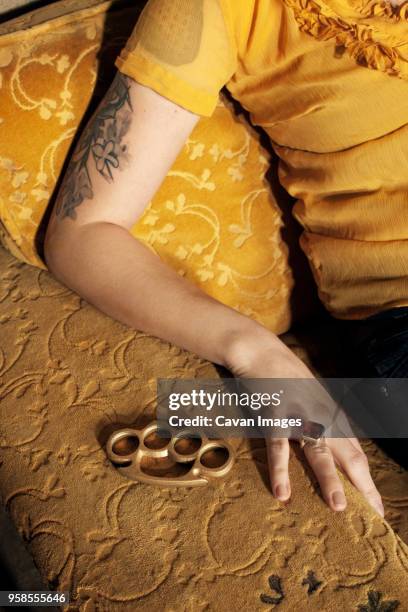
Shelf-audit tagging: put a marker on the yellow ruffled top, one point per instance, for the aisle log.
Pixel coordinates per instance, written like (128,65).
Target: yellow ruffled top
(328,82)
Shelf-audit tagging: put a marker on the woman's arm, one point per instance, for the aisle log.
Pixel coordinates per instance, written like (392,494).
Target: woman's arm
(119,163)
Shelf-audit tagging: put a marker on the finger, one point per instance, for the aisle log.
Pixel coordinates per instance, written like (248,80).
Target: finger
(322,463)
(278,461)
(356,444)
(354,462)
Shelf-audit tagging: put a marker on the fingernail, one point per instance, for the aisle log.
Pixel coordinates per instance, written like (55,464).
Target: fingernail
(282,492)
(339,501)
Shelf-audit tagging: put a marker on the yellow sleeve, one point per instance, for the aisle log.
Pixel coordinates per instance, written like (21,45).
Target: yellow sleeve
(183,50)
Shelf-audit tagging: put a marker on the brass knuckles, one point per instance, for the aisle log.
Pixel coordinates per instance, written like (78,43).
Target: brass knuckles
(130,465)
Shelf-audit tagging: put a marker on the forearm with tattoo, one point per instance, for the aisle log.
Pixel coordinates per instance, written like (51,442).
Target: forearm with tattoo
(102,144)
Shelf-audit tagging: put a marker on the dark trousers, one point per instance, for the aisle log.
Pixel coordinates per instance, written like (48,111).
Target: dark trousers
(379,346)
(381,343)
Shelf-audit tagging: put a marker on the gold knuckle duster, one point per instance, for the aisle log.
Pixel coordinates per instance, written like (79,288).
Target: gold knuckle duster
(130,462)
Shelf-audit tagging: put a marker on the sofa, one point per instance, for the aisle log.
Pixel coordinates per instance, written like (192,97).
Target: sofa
(70,375)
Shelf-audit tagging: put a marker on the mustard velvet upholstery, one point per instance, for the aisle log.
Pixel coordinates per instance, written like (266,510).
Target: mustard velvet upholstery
(68,374)
(215,219)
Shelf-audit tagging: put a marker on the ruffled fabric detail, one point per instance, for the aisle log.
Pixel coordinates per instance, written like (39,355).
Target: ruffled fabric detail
(384,8)
(374,33)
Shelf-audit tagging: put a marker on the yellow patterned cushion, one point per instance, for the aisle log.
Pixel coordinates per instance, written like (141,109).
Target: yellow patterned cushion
(215,219)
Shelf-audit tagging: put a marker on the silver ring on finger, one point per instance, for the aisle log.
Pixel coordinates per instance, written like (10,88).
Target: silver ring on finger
(312,434)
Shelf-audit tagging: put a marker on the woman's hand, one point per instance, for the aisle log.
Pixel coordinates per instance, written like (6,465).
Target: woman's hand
(323,458)
(263,355)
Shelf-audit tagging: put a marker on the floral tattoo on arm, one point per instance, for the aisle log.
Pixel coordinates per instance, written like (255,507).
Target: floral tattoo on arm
(103,142)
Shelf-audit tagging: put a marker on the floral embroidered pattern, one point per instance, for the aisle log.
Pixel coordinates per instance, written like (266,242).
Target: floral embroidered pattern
(275,586)
(385,9)
(312,582)
(376,604)
(361,33)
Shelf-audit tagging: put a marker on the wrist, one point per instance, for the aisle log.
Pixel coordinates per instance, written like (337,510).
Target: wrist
(245,346)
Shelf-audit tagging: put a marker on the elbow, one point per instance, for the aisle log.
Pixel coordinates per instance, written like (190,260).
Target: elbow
(48,249)
(68,248)
(55,251)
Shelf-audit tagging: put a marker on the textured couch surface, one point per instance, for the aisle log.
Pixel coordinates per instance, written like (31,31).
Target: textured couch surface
(68,374)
